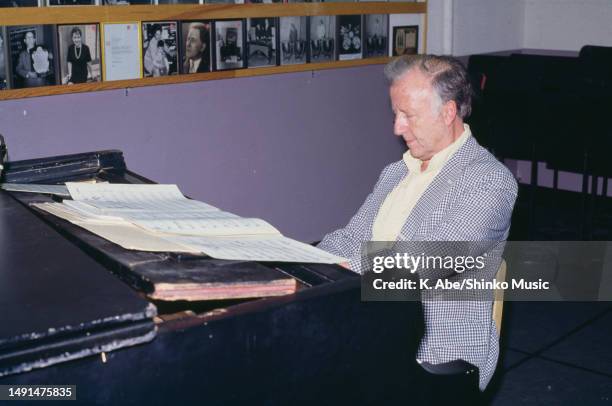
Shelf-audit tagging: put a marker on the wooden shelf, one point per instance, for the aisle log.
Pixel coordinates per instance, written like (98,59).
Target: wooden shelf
(195,77)
(185,12)
(94,14)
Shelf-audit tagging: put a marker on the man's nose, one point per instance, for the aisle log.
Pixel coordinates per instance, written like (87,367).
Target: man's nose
(399,125)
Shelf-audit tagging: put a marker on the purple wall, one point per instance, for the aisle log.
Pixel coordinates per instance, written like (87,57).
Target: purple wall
(300,150)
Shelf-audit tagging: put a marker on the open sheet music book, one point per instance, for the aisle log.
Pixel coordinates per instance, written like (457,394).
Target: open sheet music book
(160,218)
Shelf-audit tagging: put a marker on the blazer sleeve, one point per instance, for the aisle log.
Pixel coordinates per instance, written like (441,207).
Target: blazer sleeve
(479,219)
(347,241)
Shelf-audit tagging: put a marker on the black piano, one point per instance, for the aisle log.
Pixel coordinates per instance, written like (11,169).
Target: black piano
(72,312)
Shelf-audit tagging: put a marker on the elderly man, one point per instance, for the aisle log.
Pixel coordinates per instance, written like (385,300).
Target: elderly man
(446,188)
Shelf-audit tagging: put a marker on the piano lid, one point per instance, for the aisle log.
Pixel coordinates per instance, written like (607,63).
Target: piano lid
(56,303)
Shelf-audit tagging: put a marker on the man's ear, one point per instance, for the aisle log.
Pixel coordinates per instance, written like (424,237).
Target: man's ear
(449,112)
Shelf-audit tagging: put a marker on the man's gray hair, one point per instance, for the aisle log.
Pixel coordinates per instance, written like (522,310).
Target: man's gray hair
(448,77)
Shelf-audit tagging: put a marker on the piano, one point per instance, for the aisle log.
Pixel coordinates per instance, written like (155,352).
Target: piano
(78,310)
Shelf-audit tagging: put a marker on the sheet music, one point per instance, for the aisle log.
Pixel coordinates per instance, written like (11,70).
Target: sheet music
(277,249)
(127,197)
(119,232)
(159,217)
(210,227)
(59,190)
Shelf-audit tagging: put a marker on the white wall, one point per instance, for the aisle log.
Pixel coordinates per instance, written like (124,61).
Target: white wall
(465,27)
(487,26)
(567,24)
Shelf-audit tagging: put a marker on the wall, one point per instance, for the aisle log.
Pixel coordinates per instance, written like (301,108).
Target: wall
(300,150)
(481,26)
(567,24)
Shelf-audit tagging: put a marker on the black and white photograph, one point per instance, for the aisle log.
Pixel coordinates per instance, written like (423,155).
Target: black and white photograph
(376,35)
(195,46)
(322,33)
(179,2)
(32,51)
(79,53)
(229,44)
(405,40)
(261,42)
(20,3)
(293,40)
(159,50)
(3,60)
(224,1)
(52,3)
(125,2)
(349,37)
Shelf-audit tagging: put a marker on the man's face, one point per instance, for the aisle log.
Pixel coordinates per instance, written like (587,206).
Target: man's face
(418,118)
(29,40)
(194,46)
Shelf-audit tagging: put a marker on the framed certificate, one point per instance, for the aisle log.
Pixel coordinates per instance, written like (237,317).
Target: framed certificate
(121,55)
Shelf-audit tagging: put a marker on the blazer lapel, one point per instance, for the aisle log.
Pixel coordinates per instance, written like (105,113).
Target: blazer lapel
(440,185)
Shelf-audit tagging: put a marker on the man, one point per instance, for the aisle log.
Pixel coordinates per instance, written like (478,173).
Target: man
(446,188)
(27,67)
(196,49)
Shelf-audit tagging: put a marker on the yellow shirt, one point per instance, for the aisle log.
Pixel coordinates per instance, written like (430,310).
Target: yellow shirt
(399,203)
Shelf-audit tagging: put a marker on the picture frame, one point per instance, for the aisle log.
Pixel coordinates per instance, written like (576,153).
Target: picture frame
(125,2)
(121,51)
(179,2)
(230,44)
(195,46)
(322,38)
(60,3)
(262,41)
(4,60)
(405,40)
(21,3)
(349,30)
(376,35)
(79,53)
(293,40)
(33,53)
(159,48)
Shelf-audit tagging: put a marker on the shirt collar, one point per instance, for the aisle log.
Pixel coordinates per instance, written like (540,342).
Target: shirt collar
(439,159)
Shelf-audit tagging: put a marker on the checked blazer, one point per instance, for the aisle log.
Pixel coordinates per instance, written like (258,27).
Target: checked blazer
(471,199)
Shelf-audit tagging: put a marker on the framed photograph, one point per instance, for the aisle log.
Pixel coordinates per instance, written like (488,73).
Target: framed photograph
(21,3)
(195,46)
(376,35)
(262,49)
(160,53)
(224,1)
(405,40)
(121,53)
(348,37)
(32,51)
(125,2)
(293,40)
(79,53)
(229,44)
(264,1)
(51,3)
(404,34)
(179,2)
(322,38)
(4,75)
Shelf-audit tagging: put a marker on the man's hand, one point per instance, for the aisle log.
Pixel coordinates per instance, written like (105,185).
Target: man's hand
(345,265)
